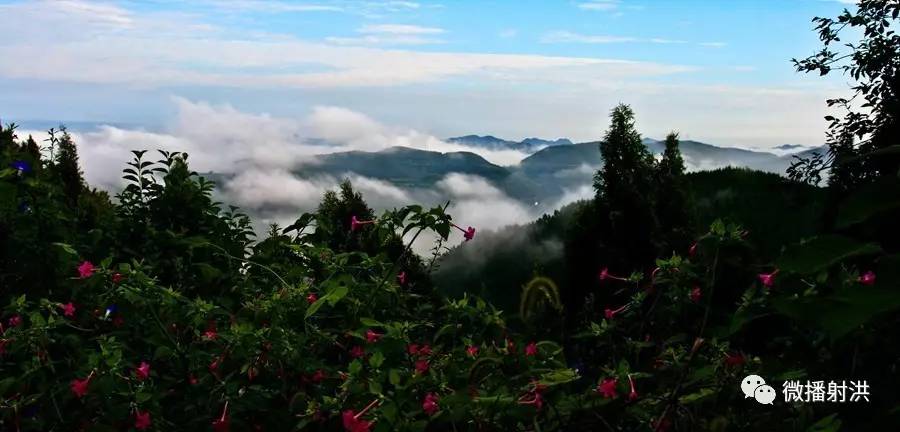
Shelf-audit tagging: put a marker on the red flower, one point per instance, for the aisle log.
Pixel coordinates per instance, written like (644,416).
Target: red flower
(80,387)
(214,365)
(421,367)
(357,352)
(536,398)
(312,298)
(356,224)
(605,274)
(352,423)
(412,349)
(85,270)
(142,372)
(767,279)
(141,420)
(68,309)
(222,423)
(734,359)
(425,350)
(610,313)
(193,380)
(401,278)
(210,333)
(695,294)
(15,321)
(472,350)
(117,277)
(430,404)
(607,388)
(868,278)
(510,346)
(468,233)
(318,376)
(118,321)
(693,250)
(633,394)
(531,349)
(372,336)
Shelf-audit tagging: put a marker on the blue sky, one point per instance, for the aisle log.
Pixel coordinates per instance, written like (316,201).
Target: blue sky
(717,71)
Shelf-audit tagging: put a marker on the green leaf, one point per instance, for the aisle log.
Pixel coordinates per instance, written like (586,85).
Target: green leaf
(821,252)
(369,322)
(355,367)
(559,376)
(842,311)
(376,359)
(827,424)
(313,308)
(394,377)
(67,248)
(869,201)
(698,396)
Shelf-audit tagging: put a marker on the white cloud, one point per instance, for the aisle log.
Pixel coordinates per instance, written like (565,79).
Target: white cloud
(570,37)
(599,5)
(401,29)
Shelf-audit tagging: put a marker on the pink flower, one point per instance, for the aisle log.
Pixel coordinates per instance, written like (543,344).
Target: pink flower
(80,387)
(85,270)
(510,346)
(421,367)
(210,333)
(15,321)
(734,359)
(372,336)
(531,349)
(412,349)
(142,372)
(605,274)
(868,278)
(696,294)
(192,380)
(768,279)
(401,278)
(214,365)
(633,394)
(318,376)
(468,233)
(68,309)
(141,420)
(693,250)
(472,350)
(607,388)
(312,298)
(430,404)
(356,224)
(425,350)
(610,313)
(536,399)
(116,278)
(222,424)
(352,423)
(357,352)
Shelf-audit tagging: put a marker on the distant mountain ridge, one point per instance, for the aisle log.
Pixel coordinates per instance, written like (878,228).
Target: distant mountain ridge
(494,143)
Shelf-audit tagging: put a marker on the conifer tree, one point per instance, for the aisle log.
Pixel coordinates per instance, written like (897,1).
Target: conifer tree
(66,167)
(671,205)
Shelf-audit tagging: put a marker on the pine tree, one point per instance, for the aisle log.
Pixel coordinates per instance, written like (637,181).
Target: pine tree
(671,205)
(625,192)
(66,167)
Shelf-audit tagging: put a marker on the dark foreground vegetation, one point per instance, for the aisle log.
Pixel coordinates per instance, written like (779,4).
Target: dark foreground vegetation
(157,309)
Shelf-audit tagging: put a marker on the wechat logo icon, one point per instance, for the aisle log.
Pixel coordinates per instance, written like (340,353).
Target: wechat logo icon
(754,386)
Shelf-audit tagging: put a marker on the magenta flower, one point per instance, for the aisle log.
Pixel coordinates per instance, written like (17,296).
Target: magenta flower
(693,250)
(142,372)
(351,420)
(425,350)
(15,321)
(768,279)
(117,277)
(610,313)
(868,278)
(85,270)
(422,367)
(607,388)
(536,399)
(372,336)
(696,294)
(430,404)
(312,298)
(223,423)
(468,233)
(734,359)
(633,394)
(210,333)
(401,278)
(605,274)
(142,420)
(80,387)
(531,349)
(356,224)
(357,352)
(472,350)
(412,349)
(68,309)
(318,376)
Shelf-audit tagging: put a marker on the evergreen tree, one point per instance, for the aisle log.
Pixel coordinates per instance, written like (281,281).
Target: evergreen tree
(625,193)
(66,167)
(672,203)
